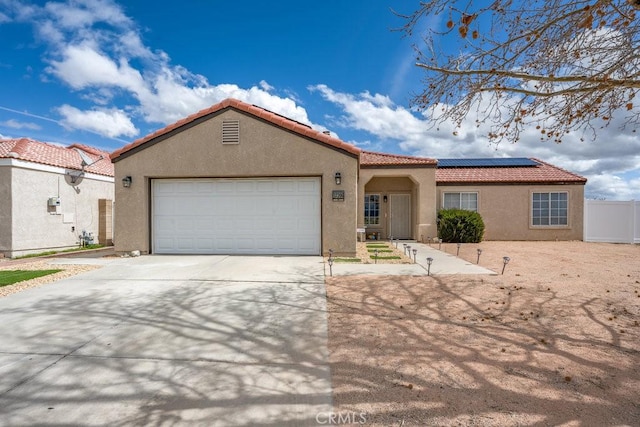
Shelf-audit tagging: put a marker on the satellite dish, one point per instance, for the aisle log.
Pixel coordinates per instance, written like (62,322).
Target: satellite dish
(86,160)
(74,177)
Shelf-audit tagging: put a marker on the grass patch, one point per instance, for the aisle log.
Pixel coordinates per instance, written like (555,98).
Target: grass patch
(379,250)
(9,277)
(96,246)
(377,245)
(354,260)
(386,257)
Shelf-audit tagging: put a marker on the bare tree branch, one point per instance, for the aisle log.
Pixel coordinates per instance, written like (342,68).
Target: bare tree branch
(556,65)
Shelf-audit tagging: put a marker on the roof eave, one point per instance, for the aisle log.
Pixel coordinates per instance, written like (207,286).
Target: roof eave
(513,182)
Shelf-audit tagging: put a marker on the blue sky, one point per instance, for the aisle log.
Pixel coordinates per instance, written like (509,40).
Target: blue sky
(105,73)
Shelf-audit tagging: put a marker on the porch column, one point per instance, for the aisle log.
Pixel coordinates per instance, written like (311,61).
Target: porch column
(425,193)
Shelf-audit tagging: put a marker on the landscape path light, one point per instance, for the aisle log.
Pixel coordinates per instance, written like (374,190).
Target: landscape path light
(458,251)
(479,253)
(330,261)
(429,240)
(375,254)
(429,261)
(405,248)
(439,244)
(415,252)
(505,261)
(408,251)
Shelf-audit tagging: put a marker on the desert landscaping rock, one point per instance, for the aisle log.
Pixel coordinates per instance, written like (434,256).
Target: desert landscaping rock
(543,344)
(67,271)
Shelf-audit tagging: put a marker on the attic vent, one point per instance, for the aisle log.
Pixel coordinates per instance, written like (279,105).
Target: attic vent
(231,131)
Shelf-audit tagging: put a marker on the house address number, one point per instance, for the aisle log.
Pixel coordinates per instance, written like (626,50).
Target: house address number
(338,195)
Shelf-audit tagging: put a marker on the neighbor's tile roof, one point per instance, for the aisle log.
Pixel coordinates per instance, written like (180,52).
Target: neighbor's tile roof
(541,173)
(55,155)
(254,110)
(370,158)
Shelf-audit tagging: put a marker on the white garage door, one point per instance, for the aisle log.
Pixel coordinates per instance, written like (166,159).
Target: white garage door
(236,216)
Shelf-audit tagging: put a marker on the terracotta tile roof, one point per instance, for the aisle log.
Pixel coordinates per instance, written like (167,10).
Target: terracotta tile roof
(55,155)
(541,173)
(256,111)
(373,159)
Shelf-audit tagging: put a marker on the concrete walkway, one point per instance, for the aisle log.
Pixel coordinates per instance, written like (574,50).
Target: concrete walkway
(443,263)
(169,340)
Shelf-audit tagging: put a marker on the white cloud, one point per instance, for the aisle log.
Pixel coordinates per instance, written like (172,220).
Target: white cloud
(98,63)
(15,124)
(84,13)
(110,122)
(265,86)
(83,66)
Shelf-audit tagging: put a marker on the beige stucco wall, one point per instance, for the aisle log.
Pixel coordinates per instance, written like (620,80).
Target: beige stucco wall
(506,211)
(265,150)
(5,209)
(36,227)
(419,182)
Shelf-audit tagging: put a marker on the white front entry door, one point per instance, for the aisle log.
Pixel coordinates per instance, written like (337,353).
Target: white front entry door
(400,216)
(236,216)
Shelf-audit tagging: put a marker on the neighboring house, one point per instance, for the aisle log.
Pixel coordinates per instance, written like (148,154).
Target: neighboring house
(49,198)
(238,179)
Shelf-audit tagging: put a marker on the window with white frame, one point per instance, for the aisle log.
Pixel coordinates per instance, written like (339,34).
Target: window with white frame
(372,209)
(461,200)
(550,208)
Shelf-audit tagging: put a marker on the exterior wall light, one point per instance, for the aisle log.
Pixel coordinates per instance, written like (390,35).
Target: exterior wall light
(126,181)
(384,198)
(338,178)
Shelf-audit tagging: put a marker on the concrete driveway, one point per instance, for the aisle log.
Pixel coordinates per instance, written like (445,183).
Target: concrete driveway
(169,340)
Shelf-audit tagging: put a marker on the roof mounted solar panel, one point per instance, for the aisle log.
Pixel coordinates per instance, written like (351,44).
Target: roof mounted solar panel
(504,162)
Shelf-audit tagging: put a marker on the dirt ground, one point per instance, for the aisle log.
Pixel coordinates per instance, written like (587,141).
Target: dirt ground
(553,341)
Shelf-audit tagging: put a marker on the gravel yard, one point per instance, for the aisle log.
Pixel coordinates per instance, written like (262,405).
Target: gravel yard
(67,271)
(553,341)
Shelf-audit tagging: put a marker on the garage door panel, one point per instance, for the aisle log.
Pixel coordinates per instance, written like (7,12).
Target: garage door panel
(249,216)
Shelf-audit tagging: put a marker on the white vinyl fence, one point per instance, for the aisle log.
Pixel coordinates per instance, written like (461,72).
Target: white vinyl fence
(610,221)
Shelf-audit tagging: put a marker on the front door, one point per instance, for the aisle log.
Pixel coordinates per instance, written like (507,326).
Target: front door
(400,216)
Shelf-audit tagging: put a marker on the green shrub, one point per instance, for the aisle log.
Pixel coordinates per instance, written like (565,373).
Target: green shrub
(460,226)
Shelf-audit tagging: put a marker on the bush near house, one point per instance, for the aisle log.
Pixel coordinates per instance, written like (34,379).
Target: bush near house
(460,226)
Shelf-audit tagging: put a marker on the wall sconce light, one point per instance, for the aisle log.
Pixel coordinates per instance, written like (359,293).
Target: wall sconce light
(338,178)
(126,181)
(384,198)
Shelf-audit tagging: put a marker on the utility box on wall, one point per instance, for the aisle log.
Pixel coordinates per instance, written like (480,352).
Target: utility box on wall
(54,201)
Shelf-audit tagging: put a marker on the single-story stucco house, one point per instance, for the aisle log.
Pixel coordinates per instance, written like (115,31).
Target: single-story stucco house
(238,179)
(51,194)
